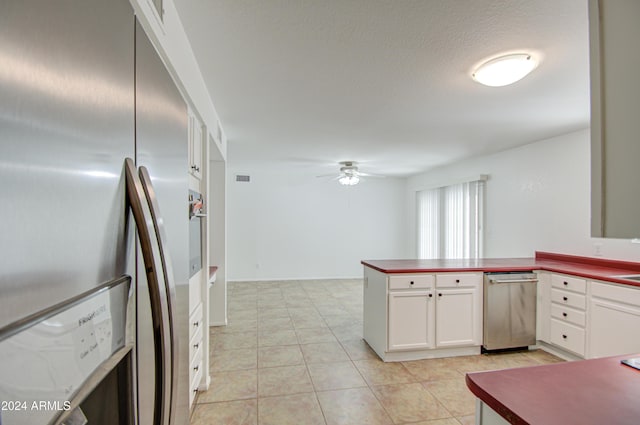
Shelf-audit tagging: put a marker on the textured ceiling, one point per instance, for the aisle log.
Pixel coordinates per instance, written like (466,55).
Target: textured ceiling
(308,83)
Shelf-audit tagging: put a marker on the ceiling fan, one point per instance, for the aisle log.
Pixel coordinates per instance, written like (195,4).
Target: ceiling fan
(349,174)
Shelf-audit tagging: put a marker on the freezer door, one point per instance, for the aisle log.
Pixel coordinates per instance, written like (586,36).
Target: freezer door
(66,124)
(161,147)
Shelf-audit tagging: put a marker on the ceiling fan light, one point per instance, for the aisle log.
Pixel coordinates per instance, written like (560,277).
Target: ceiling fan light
(349,180)
(505,70)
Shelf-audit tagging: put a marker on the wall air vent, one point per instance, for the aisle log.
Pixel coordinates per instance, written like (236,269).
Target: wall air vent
(243,179)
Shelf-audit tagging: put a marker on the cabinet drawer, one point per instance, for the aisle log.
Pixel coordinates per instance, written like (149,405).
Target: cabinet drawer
(193,386)
(568,314)
(195,343)
(571,299)
(569,283)
(195,364)
(410,281)
(195,321)
(568,336)
(627,295)
(458,280)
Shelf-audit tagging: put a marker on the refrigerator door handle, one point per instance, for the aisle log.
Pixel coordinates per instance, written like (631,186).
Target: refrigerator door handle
(170,287)
(160,313)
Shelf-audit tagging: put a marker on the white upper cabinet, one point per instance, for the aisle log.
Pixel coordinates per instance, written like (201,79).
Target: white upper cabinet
(615,117)
(196,135)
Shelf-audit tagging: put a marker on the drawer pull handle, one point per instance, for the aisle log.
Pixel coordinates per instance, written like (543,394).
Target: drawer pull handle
(564,314)
(565,298)
(564,336)
(196,368)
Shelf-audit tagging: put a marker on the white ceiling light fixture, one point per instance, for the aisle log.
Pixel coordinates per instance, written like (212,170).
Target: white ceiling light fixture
(350,175)
(505,70)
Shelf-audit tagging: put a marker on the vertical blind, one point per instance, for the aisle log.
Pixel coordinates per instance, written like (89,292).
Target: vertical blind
(450,221)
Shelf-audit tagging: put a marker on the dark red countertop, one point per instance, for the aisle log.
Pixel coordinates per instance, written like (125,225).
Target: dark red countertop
(587,267)
(587,392)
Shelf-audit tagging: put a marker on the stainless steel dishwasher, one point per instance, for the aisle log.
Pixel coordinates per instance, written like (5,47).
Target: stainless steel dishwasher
(509,310)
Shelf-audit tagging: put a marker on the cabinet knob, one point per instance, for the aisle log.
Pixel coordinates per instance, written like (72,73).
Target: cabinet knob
(411,283)
(565,298)
(196,324)
(196,368)
(457,280)
(195,346)
(440,294)
(430,295)
(564,314)
(564,336)
(565,283)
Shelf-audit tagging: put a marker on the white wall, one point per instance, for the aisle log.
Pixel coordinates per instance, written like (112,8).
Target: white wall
(537,199)
(291,225)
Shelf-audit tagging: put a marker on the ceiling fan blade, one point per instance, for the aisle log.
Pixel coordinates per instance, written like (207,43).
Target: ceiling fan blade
(378,176)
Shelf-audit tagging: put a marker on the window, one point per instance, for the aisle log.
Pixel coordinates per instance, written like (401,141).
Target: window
(450,221)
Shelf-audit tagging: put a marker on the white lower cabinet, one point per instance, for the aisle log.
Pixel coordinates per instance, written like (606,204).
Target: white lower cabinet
(562,312)
(449,316)
(411,315)
(196,349)
(458,316)
(543,306)
(614,323)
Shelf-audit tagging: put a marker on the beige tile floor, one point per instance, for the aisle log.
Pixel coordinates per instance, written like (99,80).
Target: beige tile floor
(293,354)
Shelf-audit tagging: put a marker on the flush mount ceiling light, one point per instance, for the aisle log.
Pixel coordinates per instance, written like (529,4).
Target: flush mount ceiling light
(505,70)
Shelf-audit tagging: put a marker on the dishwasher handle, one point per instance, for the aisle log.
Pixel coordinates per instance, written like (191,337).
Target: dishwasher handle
(512,280)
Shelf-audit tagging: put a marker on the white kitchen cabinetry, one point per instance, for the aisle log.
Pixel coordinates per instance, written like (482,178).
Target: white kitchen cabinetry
(195,137)
(411,312)
(543,306)
(568,313)
(404,319)
(196,349)
(458,310)
(615,101)
(411,319)
(614,325)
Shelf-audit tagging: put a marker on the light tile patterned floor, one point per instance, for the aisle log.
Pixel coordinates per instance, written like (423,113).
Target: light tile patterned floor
(293,354)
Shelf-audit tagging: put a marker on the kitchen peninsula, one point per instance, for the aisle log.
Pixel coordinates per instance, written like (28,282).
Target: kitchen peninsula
(590,392)
(416,309)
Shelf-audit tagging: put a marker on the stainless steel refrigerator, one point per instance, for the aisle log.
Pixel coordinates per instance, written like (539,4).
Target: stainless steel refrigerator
(81,89)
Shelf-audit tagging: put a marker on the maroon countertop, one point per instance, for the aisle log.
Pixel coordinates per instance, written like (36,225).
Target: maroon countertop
(587,392)
(587,267)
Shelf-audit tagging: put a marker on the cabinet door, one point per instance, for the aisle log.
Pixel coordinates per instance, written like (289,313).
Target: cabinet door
(615,102)
(410,320)
(613,328)
(195,146)
(457,317)
(543,308)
